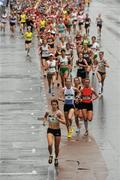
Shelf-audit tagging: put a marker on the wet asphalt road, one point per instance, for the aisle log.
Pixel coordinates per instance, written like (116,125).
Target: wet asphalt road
(22,100)
(106,126)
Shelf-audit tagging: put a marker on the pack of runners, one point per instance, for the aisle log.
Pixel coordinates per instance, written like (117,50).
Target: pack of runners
(68,58)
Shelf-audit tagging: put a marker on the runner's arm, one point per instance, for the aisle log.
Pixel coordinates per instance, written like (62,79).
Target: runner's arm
(61,118)
(86,64)
(47,64)
(61,95)
(25,35)
(95,94)
(106,64)
(76,90)
(45,118)
(80,65)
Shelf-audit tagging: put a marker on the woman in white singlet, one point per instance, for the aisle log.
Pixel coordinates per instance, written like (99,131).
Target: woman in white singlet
(54,117)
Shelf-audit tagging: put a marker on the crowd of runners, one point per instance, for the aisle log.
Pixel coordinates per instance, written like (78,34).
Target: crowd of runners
(69,56)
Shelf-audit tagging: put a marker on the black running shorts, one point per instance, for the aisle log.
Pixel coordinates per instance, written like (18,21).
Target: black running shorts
(55,132)
(87,106)
(68,107)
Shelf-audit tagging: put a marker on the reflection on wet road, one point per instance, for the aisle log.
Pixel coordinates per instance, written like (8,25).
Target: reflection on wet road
(106,126)
(21,102)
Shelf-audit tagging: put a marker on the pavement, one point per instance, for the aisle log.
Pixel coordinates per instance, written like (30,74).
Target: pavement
(23,152)
(80,157)
(23,98)
(106,127)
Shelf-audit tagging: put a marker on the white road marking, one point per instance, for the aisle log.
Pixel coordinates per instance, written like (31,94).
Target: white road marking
(32,127)
(15,145)
(18,174)
(23,160)
(19,91)
(33,150)
(34,172)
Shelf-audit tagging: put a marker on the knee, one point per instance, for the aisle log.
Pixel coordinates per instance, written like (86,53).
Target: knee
(80,116)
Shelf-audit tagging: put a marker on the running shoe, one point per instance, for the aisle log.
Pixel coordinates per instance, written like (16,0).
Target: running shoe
(71,130)
(50,159)
(78,130)
(86,133)
(58,85)
(44,74)
(56,162)
(69,135)
(53,94)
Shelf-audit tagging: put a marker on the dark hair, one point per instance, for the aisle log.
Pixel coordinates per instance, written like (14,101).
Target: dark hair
(101,52)
(94,37)
(55,101)
(62,50)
